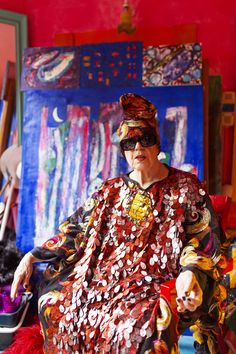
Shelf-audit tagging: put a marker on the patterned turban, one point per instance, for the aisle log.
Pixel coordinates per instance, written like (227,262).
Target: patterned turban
(138,113)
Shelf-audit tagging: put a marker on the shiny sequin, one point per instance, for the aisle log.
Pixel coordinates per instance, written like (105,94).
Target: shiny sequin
(132,241)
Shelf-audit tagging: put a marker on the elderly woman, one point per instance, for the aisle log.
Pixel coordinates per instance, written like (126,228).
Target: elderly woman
(101,290)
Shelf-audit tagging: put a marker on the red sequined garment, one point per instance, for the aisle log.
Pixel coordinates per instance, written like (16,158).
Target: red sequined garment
(102,287)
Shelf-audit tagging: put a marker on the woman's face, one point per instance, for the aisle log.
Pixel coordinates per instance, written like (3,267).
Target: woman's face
(142,158)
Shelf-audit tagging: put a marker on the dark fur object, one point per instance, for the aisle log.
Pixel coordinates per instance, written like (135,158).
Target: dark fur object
(26,340)
(10,257)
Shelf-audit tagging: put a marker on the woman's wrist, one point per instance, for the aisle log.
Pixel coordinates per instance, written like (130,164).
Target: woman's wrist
(31,258)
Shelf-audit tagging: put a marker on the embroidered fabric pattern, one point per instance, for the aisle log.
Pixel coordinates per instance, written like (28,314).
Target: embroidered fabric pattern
(133,240)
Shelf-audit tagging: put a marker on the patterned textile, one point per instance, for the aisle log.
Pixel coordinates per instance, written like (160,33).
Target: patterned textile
(138,112)
(101,292)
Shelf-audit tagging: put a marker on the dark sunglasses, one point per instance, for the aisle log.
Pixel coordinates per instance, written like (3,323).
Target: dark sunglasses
(145,140)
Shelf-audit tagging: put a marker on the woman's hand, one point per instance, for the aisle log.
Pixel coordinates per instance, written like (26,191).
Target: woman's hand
(189,292)
(22,274)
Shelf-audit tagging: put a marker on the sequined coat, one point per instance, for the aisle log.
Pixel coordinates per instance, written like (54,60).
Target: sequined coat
(101,289)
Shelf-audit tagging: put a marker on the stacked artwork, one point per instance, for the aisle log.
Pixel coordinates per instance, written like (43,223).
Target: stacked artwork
(124,64)
(72,114)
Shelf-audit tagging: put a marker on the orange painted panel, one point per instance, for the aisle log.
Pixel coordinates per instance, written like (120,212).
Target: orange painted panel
(63,39)
(149,36)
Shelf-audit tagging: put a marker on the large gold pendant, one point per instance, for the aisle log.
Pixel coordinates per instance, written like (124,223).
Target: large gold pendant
(140,206)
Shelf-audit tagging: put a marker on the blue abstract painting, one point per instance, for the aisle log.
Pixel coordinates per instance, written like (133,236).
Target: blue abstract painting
(70,146)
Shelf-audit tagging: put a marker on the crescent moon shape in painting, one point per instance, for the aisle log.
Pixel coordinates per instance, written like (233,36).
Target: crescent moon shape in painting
(55,115)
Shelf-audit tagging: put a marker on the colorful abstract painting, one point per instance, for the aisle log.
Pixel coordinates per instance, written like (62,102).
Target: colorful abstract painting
(70,146)
(166,65)
(62,180)
(50,67)
(104,148)
(111,64)
(118,64)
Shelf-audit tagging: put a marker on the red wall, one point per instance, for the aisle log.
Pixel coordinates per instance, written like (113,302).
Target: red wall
(216,21)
